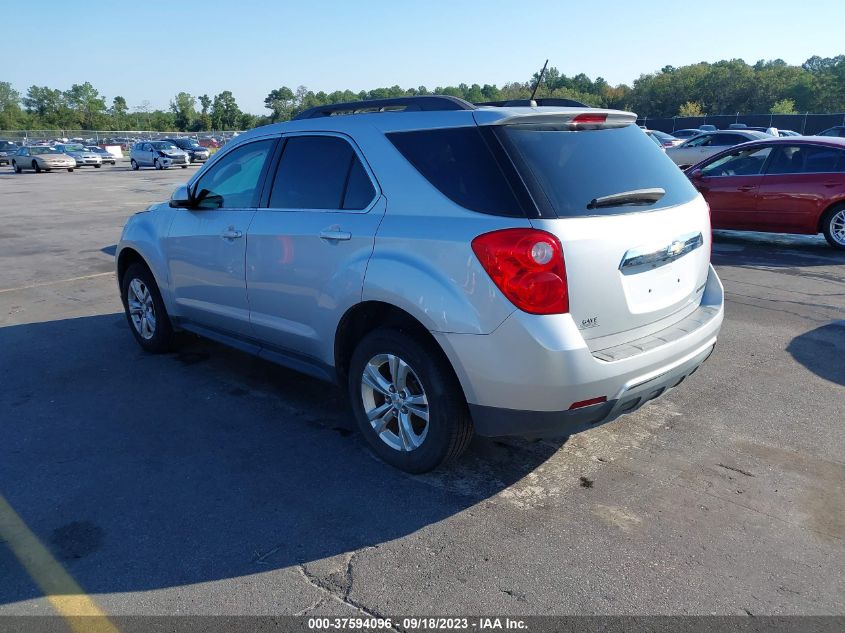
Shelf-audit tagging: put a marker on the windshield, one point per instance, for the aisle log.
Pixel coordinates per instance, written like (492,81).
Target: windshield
(5,145)
(74,147)
(163,145)
(35,151)
(566,170)
(187,143)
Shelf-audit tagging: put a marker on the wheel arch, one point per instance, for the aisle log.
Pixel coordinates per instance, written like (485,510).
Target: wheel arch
(364,317)
(829,209)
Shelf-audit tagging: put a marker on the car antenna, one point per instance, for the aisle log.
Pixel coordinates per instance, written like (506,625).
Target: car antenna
(533,103)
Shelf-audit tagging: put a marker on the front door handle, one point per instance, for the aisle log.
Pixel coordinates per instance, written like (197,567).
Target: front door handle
(231,234)
(745,188)
(334,234)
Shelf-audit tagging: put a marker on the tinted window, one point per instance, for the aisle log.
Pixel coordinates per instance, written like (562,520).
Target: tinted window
(728,139)
(313,174)
(570,169)
(359,188)
(459,164)
(746,162)
(834,131)
(807,159)
(232,182)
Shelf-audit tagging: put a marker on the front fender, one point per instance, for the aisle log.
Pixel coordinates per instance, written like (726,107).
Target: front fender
(144,233)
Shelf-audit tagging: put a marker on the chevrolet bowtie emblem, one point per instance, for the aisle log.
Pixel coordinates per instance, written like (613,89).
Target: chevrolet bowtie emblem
(675,248)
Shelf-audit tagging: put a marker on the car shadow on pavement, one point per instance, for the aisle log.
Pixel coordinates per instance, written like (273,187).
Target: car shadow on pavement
(773,250)
(822,351)
(142,472)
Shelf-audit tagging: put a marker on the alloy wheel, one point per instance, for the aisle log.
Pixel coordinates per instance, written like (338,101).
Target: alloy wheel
(141,308)
(837,227)
(395,402)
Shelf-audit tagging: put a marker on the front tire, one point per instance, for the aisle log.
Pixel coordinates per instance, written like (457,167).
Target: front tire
(157,164)
(70,169)
(36,167)
(833,226)
(133,165)
(407,401)
(145,311)
(97,166)
(16,167)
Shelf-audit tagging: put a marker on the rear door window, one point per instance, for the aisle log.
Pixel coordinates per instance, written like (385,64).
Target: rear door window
(566,170)
(806,159)
(320,172)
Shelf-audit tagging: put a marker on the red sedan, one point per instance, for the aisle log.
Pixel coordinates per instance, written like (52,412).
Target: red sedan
(780,185)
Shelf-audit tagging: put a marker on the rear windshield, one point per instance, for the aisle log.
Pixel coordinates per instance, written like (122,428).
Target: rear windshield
(567,170)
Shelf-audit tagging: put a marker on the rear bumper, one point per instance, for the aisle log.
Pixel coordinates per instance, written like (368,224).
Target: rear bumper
(496,422)
(523,378)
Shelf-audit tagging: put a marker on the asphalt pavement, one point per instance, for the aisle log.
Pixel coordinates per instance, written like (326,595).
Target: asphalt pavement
(207,481)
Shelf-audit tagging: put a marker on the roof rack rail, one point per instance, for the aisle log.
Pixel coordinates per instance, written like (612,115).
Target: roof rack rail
(428,103)
(568,103)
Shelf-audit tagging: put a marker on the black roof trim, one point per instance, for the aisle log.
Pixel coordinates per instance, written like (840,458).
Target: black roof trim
(568,103)
(428,103)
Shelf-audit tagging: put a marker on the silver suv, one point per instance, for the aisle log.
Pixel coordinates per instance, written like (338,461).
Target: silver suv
(158,154)
(507,270)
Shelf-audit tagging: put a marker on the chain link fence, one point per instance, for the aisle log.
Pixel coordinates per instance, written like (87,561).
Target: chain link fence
(807,124)
(123,138)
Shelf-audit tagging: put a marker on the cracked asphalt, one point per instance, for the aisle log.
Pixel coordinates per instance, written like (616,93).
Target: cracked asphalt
(210,482)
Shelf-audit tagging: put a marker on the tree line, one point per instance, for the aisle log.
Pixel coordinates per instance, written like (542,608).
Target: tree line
(724,87)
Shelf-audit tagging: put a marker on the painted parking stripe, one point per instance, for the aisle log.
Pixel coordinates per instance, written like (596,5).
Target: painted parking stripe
(63,592)
(58,281)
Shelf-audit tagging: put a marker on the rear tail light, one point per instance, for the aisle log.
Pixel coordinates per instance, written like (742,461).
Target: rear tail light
(527,266)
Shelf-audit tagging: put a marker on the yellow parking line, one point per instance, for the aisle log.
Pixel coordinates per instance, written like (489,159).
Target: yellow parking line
(58,281)
(63,592)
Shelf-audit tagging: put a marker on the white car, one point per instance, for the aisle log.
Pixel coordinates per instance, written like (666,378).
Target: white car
(158,154)
(708,144)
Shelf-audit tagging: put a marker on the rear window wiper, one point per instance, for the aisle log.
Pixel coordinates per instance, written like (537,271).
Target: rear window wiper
(637,196)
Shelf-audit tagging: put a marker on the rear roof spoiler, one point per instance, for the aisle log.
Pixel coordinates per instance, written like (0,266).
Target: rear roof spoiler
(569,118)
(533,103)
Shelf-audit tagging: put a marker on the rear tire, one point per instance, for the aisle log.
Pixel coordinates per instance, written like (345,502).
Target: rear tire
(156,164)
(145,311)
(70,169)
(36,167)
(395,378)
(133,165)
(16,167)
(833,226)
(97,166)
(184,166)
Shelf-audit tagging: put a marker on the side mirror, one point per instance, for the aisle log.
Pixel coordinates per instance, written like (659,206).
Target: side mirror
(181,198)
(696,174)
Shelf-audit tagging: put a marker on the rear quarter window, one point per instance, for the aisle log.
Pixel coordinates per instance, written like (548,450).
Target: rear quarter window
(459,163)
(565,170)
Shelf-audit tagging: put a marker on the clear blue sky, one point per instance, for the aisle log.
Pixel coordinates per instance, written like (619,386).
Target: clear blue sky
(151,50)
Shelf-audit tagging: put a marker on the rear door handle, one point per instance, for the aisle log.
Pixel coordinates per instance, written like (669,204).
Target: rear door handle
(745,188)
(231,234)
(334,234)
